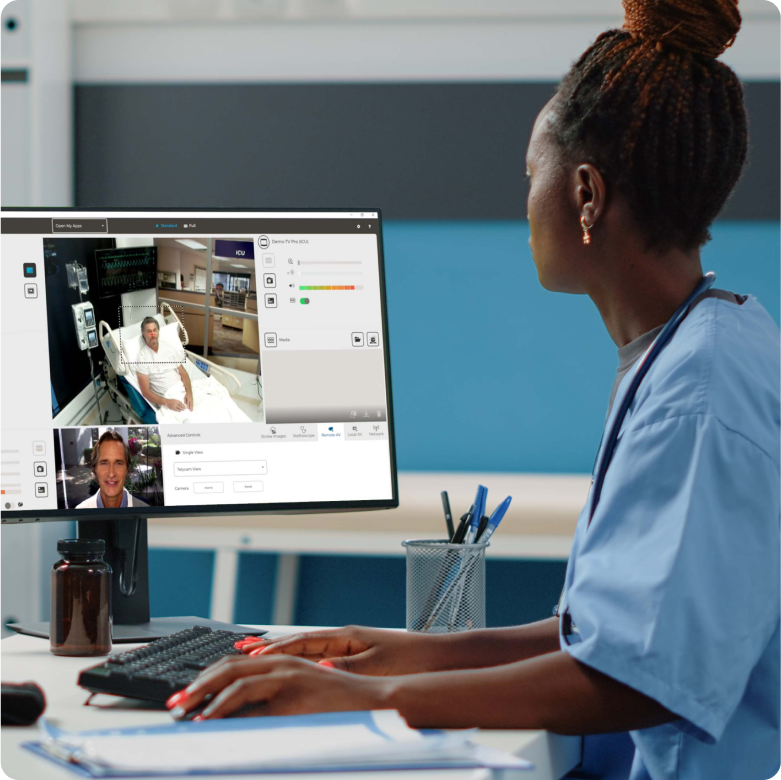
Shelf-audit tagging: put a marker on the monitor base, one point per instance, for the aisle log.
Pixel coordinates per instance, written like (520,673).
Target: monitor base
(142,632)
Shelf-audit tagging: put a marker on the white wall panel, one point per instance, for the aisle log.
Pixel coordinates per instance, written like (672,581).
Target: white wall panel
(534,50)
(294,10)
(52,100)
(15,152)
(20,579)
(15,34)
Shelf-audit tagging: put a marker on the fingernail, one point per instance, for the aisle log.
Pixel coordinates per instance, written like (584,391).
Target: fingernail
(241,643)
(176,699)
(177,712)
(199,717)
(329,664)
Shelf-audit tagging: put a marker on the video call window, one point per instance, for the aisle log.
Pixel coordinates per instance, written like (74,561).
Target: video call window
(108,467)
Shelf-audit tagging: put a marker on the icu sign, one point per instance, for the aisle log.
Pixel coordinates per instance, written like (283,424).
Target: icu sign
(232,249)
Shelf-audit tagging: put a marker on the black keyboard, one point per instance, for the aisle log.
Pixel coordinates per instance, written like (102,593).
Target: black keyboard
(158,670)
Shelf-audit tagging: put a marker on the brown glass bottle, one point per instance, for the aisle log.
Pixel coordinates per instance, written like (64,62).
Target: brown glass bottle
(81,599)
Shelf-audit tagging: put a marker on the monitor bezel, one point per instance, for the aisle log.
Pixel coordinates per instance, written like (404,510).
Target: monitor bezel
(17,516)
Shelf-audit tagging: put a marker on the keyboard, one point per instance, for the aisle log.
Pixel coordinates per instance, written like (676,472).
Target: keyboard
(156,671)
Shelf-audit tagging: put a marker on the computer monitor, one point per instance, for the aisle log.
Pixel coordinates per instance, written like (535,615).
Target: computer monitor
(184,363)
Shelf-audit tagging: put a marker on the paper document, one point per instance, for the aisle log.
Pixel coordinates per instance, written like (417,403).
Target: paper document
(335,741)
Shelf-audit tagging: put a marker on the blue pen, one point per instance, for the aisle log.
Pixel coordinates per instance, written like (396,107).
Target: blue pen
(495,519)
(480,499)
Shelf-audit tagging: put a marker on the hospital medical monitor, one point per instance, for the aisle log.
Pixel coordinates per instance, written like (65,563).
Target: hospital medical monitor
(192,363)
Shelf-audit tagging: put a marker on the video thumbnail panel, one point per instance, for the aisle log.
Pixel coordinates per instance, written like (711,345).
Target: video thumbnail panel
(108,467)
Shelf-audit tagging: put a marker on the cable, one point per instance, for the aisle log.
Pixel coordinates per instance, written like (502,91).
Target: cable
(124,588)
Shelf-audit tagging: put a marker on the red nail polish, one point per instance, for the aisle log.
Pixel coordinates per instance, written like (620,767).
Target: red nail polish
(327,663)
(176,699)
(199,717)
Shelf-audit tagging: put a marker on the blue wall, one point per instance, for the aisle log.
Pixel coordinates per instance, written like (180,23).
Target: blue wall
(490,372)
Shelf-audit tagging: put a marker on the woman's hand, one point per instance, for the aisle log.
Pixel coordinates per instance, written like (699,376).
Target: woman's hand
(278,685)
(357,649)
(379,652)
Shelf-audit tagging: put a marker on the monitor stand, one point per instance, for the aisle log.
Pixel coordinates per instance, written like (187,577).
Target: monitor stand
(127,552)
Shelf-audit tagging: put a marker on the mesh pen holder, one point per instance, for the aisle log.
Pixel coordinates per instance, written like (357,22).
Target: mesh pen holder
(445,586)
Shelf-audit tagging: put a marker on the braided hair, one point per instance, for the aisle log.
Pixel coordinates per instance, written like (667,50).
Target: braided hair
(663,120)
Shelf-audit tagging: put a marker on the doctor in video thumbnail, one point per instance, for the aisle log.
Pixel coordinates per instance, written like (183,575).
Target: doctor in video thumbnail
(110,464)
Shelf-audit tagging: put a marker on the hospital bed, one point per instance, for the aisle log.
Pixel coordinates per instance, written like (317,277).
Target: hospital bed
(122,346)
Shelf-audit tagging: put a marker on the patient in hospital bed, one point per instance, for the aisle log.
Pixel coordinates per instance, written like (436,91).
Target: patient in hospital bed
(161,368)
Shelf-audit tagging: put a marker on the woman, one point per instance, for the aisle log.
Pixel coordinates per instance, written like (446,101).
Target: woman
(668,641)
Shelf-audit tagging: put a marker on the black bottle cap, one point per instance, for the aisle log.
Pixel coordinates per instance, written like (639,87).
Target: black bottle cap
(81,546)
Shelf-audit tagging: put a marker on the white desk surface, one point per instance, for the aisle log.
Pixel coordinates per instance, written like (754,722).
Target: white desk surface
(27,658)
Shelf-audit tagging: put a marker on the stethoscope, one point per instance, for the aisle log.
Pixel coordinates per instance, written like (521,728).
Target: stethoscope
(568,627)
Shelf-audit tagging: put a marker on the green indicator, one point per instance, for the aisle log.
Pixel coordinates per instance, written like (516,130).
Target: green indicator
(305,300)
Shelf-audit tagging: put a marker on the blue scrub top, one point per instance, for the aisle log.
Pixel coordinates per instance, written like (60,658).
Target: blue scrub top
(674,587)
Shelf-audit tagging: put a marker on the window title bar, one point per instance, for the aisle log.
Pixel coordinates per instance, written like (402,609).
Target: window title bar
(69,224)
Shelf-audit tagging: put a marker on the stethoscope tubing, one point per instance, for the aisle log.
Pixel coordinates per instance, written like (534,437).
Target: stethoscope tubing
(646,362)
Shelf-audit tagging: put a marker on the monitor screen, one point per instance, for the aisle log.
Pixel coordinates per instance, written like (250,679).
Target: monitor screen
(126,269)
(236,362)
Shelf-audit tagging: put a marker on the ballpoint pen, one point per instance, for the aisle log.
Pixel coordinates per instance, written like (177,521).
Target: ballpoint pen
(477,518)
(448,514)
(494,520)
(480,499)
(474,528)
(466,519)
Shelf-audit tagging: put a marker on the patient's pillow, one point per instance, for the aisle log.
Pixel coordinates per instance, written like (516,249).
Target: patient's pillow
(169,334)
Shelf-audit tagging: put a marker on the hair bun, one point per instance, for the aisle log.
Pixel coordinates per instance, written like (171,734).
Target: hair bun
(701,26)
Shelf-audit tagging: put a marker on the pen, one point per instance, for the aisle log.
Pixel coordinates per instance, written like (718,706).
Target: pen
(447,569)
(448,515)
(458,536)
(480,499)
(481,528)
(495,519)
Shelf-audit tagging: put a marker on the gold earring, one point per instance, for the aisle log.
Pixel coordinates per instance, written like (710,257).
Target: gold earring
(586,235)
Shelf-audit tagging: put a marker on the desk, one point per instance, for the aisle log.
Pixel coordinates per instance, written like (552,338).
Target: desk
(27,658)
